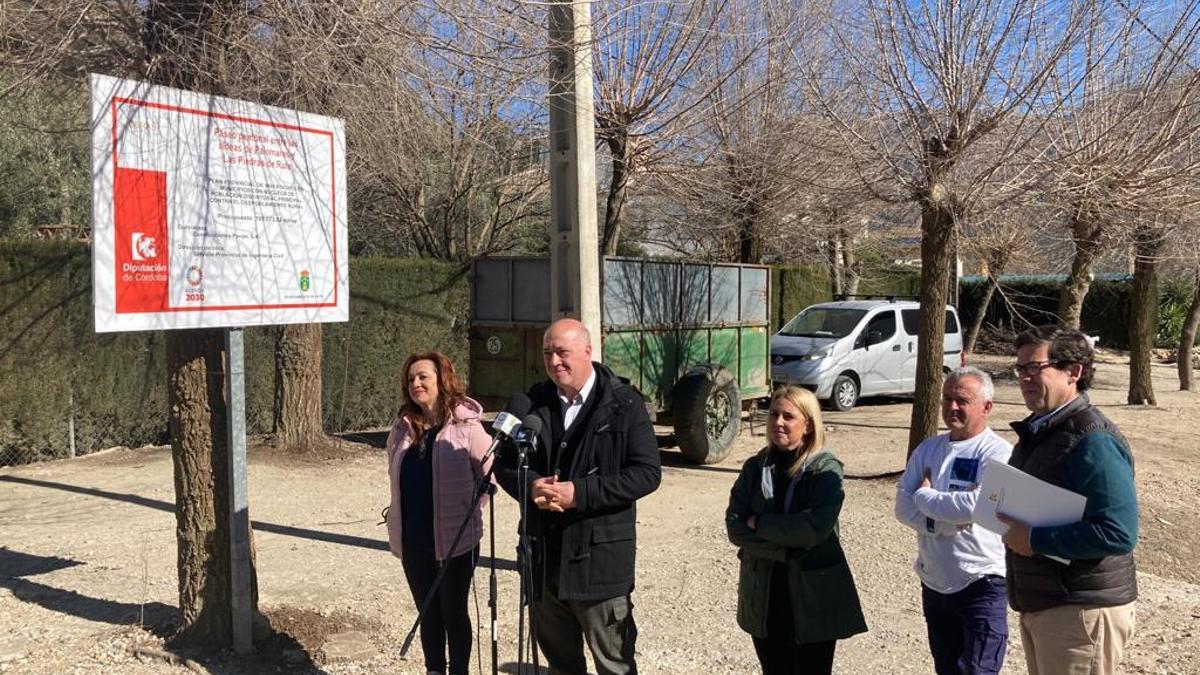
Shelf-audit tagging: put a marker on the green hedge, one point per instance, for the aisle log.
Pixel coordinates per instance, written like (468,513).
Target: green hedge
(55,368)
(794,288)
(1106,308)
(897,280)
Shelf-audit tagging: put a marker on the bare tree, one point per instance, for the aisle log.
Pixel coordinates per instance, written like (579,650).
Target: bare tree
(1002,234)
(847,217)
(1010,212)
(1164,230)
(185,45)
(1127,161)
(935,79)
(844,230)
(58,41)
(742,180)
(453,151)
(1107,147)
(325,59)
(651,75)
(445,149)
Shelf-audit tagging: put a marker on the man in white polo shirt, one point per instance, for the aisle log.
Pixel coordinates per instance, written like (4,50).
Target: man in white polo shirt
(961,566)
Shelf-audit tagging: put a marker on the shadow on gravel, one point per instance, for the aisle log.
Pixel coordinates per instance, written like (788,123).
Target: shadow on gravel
(153,616)
(278,652)
(375,439)
(17,564)
(514,668)
(258,525)
(831,421)
(676,460)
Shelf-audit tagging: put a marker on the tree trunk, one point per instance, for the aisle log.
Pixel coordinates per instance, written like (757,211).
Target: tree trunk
(199,448)
(981,314)
(834,250)
(1187,340)
(1086,237)
(618,146)
(937,231)
(180,40)
(750,242)
(1144,303)
(849,262)
(996,264)
(298,419)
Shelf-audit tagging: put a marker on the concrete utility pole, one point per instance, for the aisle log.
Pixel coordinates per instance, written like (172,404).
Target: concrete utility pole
(574,244)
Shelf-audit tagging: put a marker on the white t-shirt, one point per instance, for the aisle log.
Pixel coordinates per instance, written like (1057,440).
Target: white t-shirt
(951,552)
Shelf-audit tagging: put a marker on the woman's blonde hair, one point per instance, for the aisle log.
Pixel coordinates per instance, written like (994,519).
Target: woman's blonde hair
(814,437)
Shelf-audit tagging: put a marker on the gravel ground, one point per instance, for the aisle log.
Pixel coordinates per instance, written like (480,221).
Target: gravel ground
(88,585)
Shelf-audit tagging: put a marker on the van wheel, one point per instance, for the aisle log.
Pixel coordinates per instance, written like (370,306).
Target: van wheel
(845,393)
(708,413)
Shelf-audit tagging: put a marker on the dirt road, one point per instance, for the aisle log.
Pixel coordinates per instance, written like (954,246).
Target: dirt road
(87,556)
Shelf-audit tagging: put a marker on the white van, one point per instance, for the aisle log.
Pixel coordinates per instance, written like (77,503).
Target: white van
(847,349)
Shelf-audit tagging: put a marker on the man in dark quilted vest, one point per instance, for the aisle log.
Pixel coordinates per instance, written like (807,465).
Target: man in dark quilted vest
(1077,616)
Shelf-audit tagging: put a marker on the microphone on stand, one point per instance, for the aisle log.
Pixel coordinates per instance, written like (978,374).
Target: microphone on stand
(527,437)
(507,424)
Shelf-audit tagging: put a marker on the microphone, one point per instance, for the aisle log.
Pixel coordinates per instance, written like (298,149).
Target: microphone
(506,424)
(531,426)
(526,438)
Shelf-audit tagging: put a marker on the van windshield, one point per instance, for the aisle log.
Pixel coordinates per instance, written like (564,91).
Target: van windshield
(829,322)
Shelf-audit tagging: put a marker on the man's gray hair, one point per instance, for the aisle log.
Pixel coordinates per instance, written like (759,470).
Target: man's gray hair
(986,389)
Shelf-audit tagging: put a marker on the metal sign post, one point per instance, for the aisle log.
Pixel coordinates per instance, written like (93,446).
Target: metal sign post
(239,505)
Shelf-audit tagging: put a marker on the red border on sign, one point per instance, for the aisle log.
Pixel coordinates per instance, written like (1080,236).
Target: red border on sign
(119,100)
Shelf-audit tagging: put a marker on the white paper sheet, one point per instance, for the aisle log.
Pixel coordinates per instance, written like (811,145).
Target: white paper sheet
(1020,496)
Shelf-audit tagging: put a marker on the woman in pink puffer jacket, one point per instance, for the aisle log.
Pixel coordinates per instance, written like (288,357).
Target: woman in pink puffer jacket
(435,459)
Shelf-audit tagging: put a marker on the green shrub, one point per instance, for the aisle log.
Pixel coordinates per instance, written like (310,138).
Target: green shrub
(1174,300)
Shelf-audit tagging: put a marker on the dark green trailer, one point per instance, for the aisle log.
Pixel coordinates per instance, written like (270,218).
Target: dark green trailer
(692,337)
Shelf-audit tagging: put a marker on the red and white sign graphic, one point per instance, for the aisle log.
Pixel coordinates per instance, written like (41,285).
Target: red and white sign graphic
(210,211)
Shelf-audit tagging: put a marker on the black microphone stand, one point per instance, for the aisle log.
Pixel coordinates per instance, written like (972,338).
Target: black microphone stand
(493,593)
(482,487)
(525,446)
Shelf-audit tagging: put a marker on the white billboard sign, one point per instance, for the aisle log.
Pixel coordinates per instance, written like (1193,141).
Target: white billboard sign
(209,211)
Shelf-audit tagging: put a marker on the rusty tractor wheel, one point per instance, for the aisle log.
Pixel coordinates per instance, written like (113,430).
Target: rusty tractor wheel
(707,406)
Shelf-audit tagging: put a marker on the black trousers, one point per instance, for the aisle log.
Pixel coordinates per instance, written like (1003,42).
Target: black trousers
(968,630)
(779,653)
(446,621)
(784,656)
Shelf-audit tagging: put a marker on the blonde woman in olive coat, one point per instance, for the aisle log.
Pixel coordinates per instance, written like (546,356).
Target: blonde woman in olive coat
(796,596)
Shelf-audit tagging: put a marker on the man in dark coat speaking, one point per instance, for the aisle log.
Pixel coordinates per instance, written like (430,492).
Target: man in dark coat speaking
(596,457)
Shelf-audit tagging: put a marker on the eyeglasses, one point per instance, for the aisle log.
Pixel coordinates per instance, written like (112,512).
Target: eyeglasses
(1033,367)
